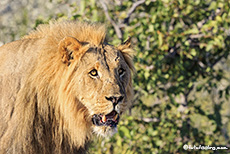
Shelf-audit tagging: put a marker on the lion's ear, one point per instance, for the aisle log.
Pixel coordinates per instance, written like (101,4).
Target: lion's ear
(128,52)
(125,45)
(68,47)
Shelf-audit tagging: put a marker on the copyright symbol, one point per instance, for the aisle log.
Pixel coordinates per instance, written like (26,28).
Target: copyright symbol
(185,147)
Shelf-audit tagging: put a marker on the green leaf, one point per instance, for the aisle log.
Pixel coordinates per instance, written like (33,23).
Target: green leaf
(160,38)
(193,52)
(125,131)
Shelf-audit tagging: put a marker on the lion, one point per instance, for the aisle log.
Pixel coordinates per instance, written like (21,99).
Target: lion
(59,86)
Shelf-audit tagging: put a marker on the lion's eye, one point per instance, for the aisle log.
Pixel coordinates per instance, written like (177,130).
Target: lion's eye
(93,73)
(121,72)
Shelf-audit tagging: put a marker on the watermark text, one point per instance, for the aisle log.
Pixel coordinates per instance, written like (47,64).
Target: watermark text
(202,147)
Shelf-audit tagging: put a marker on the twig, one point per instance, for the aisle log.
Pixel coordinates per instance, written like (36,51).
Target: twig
(116,27)
(148,120)
(132,9)
(196,36)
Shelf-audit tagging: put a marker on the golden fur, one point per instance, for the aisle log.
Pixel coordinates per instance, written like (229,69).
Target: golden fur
(47,96)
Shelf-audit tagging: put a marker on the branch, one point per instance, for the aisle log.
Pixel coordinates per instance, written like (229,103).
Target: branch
(224,55)
(116,27)
(201,23)
(132,9)
(148,120)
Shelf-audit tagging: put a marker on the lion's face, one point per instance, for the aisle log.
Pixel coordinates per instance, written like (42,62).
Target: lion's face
(100,80)
(103,77)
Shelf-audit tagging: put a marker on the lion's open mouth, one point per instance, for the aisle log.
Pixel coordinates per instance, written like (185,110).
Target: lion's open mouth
(110,119)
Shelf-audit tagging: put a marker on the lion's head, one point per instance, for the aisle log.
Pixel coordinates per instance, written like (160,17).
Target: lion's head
(97,78)
(104,83)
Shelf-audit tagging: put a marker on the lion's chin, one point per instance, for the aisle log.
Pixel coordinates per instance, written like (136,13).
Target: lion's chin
(105,125)
(104,131)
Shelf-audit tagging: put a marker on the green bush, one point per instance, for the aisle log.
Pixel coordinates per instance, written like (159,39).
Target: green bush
(182,82)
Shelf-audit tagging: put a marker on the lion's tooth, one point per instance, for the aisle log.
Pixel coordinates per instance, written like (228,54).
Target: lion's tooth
(104,118)
(115,117)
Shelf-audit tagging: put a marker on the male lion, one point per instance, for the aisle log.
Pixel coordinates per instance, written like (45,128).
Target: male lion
(60,84)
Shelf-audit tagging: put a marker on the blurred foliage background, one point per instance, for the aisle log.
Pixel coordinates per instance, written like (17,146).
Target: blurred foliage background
(182,84)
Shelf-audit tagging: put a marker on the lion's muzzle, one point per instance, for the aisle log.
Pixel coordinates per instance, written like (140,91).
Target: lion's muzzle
(110,119)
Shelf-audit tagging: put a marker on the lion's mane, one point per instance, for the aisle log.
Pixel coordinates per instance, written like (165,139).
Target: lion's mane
(38,113)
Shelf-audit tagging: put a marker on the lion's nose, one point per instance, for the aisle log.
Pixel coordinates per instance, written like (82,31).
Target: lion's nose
(115,99)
